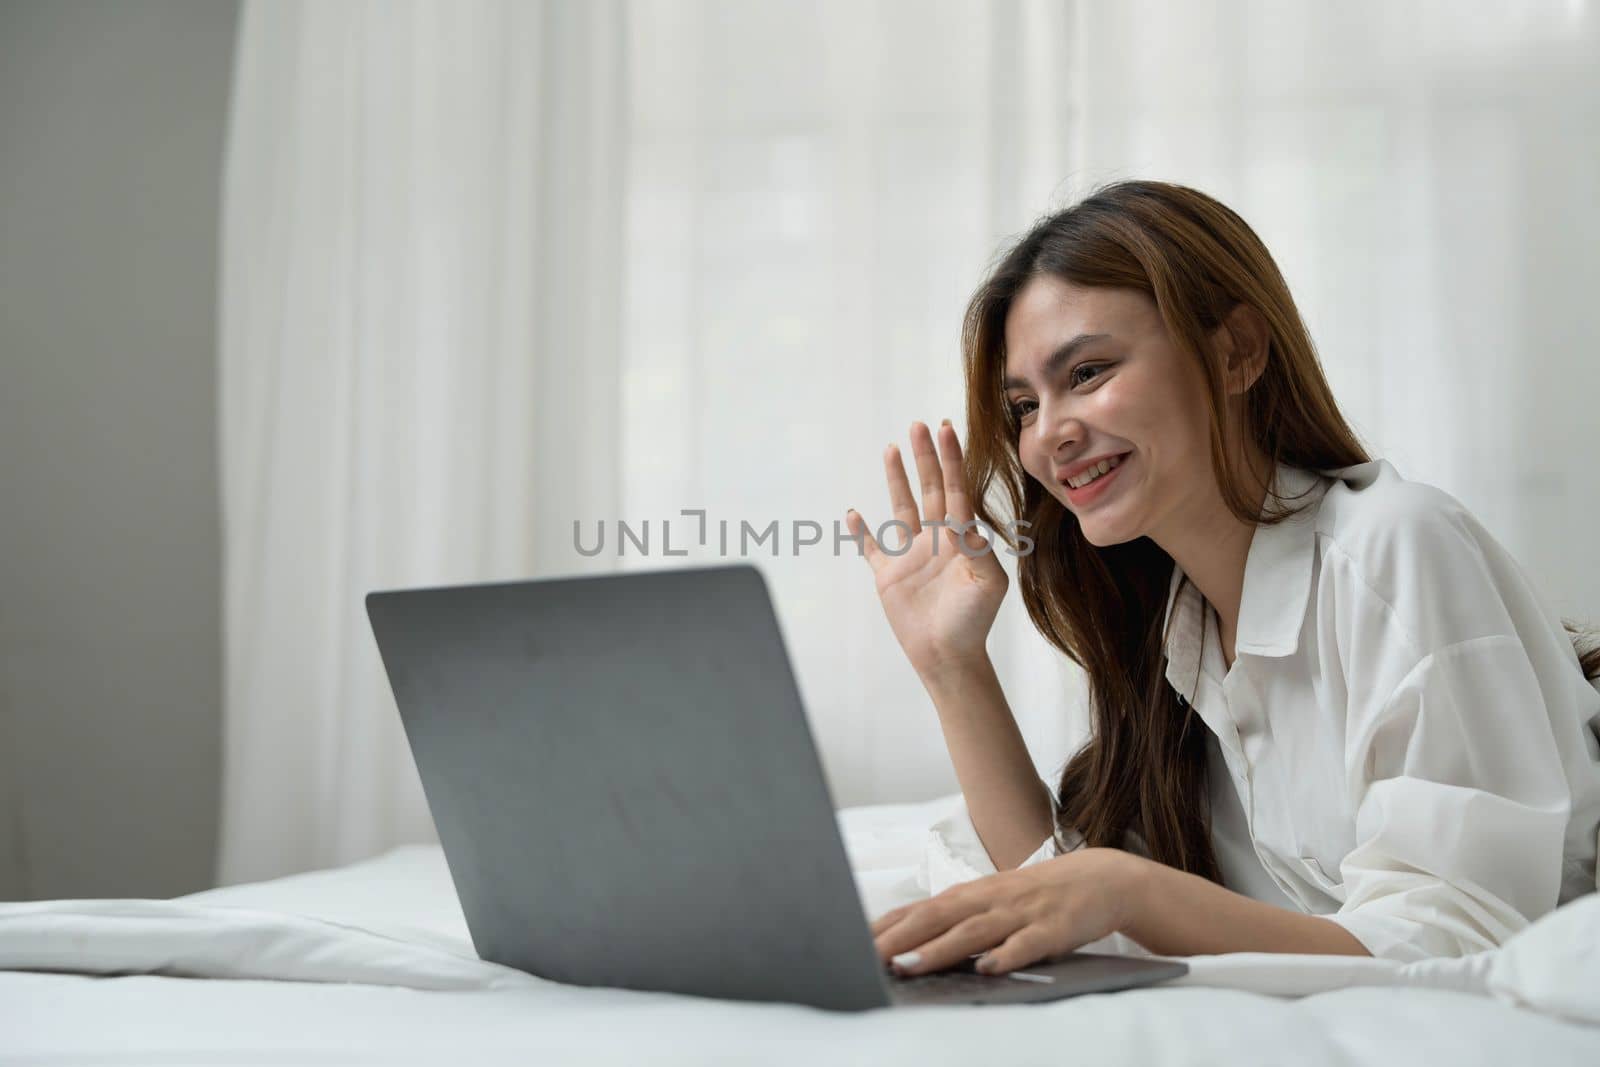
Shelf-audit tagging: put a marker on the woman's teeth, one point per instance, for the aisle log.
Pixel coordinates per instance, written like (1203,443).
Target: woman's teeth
(1094,472)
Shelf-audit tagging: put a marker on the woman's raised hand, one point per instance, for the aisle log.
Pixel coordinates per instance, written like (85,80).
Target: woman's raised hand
(941,601)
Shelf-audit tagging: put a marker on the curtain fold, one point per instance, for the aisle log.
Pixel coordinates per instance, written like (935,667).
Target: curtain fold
(420,259)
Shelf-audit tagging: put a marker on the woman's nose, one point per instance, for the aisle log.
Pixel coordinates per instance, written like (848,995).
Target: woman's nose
(1057,430)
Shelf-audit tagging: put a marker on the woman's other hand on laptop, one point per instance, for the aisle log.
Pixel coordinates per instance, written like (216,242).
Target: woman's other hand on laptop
(1015,918)
(936,574)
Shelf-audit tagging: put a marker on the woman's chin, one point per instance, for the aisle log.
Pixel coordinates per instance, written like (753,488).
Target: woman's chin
(1103,531)
(1094,537)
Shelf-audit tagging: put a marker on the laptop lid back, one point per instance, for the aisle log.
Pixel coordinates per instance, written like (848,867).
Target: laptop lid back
(625,785)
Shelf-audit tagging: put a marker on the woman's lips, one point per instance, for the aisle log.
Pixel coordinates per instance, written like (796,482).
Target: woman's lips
(1097,488)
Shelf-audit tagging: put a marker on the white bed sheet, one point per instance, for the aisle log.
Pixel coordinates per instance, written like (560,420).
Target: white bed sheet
(384,973)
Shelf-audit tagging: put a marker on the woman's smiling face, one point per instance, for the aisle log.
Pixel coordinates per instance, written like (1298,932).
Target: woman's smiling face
(1092,373)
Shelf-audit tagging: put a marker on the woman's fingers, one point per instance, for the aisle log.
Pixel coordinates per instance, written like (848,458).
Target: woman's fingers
(942,476)
(928,473)
(972,935)
(903,504)
(1027,945)
(888,919)
(955,476)
(924,920)
(920,923)
(869,547)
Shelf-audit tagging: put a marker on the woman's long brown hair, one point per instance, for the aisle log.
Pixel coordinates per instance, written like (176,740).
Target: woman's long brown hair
(1143,770)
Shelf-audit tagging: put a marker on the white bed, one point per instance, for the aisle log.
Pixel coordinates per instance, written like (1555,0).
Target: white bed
(371,964)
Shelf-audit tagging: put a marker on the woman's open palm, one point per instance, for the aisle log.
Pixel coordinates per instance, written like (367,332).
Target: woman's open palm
(941,601)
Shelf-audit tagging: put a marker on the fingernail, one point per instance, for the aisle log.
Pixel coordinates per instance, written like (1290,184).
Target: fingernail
(908,959)
(984,964)
(947,422)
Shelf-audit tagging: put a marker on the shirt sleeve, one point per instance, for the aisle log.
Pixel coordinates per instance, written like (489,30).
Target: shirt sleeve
(1461,808)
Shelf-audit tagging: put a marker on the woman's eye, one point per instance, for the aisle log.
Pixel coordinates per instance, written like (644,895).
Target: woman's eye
(1021,409)
(1083,366)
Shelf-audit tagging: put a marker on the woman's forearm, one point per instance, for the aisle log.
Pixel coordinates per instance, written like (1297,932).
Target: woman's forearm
(1006,802)
(1176,914)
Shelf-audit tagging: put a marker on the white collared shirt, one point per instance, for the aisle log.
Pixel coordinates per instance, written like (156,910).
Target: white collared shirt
(1405,742)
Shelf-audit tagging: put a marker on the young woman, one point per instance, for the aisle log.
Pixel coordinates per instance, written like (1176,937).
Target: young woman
(1330,714)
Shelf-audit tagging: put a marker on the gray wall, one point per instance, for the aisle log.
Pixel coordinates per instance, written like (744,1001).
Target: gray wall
(111,135)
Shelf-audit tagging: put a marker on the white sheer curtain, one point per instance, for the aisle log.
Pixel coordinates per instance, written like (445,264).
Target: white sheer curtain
(814,191)
(420,269)
(493,268)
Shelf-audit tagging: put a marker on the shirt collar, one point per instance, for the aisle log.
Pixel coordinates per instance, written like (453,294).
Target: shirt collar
(1277,585)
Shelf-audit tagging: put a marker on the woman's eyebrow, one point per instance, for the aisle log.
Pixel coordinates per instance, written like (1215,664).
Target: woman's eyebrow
(1057,359)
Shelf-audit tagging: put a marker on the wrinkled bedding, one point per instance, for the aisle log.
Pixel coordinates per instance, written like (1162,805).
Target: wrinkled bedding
(372,962)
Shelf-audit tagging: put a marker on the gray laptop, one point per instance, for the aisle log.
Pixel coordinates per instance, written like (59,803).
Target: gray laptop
(628,794)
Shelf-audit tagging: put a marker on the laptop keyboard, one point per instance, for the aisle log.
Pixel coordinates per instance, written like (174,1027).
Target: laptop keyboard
(958,979)
(951,982)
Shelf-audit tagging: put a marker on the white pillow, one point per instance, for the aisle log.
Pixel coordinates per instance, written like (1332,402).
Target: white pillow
(1553,966)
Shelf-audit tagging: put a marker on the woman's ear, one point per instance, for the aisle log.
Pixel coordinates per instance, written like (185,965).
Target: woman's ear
(1245,341)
